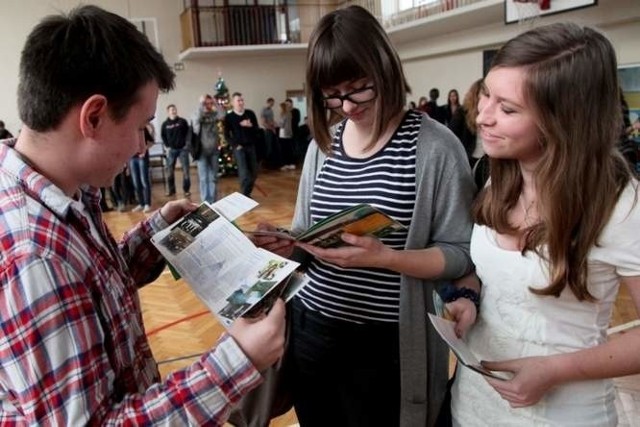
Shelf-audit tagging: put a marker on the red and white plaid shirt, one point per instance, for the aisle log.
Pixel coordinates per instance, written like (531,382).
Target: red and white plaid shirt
(73,349)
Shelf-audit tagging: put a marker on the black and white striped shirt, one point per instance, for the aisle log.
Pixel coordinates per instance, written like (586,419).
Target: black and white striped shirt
(386,181)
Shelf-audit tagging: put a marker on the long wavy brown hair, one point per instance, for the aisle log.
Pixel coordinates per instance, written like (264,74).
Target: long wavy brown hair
(571,84)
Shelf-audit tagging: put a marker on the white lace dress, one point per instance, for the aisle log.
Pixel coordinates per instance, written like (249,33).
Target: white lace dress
(515,323)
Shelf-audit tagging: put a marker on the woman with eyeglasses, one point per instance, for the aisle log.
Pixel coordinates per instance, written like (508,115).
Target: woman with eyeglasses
(360,350)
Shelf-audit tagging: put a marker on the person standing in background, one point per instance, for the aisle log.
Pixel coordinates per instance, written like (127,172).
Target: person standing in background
(285,137)
(423,104)
(433,109)
(304,134)
(627,146)
(272,151)
(295,132)
(4,133)
(241,131)
(204,146)
(140,173)
(453,104)
(120,191)
(463,123)
(175,134)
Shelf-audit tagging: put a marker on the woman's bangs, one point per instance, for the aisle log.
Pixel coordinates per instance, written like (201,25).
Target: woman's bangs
(335,66)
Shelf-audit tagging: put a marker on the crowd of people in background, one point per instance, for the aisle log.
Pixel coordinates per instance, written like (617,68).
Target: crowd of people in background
(274,141)
(285,137)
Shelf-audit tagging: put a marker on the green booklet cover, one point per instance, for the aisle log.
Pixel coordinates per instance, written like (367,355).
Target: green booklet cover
(361,220)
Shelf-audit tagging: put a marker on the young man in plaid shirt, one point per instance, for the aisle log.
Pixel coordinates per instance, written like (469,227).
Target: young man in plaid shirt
(73,349)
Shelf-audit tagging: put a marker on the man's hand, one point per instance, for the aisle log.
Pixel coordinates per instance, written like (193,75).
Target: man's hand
(176,209)
(262,340)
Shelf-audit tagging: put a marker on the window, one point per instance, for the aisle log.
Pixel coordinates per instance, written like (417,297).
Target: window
(394,6)
(148,27)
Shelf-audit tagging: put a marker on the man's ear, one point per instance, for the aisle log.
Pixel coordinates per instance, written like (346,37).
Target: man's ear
(93,113)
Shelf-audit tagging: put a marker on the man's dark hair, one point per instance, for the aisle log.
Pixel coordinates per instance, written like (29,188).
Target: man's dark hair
(1,124)
(170,106)
(236,94)
(67,59)
(434,94)
(270,99)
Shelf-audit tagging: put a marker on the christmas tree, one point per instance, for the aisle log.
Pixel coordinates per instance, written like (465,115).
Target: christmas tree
(226,162)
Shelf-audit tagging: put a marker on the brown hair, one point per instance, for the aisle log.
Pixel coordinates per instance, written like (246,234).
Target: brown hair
(470,104)
(68,58)
(571,84)
(349,44)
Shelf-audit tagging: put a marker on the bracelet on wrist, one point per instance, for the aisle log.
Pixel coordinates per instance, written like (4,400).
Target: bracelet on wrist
(452,293)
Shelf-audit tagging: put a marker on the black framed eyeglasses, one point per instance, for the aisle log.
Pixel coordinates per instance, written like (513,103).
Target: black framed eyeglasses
(358,96)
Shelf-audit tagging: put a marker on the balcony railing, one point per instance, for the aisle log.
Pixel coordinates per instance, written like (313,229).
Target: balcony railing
(428,8)
(207,23)
(206,26)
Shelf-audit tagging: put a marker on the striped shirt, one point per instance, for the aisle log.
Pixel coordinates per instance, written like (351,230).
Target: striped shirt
(73,349)
(386,180)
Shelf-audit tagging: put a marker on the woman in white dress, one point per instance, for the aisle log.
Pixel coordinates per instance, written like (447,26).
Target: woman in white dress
(556,233)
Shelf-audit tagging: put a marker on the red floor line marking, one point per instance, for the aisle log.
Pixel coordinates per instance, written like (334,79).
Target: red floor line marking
(168,325)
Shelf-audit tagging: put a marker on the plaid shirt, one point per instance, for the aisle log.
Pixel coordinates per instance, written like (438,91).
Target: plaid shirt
(73,349)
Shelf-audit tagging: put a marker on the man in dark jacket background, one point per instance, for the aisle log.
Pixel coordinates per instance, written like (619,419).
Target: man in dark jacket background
(241,130)
(175,135)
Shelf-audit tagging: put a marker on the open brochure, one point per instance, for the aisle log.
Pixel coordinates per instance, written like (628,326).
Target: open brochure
(361,220)
(223,267)
(464,354)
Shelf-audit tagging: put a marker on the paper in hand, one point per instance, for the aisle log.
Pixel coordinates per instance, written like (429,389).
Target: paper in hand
(446,330)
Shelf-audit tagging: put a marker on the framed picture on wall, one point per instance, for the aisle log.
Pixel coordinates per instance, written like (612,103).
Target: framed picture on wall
(524,10)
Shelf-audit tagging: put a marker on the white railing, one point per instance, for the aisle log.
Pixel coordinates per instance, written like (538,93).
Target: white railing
(428,9)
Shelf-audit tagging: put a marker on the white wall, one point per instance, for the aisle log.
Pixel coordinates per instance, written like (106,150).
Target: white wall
(257,78)
(442,60)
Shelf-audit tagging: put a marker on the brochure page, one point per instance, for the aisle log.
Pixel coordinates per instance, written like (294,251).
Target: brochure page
(223,267)
(465,356)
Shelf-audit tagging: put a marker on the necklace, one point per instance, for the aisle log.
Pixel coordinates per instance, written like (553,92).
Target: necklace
(525,211)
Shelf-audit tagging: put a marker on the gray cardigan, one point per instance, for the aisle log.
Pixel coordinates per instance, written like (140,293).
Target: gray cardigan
(444,192)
